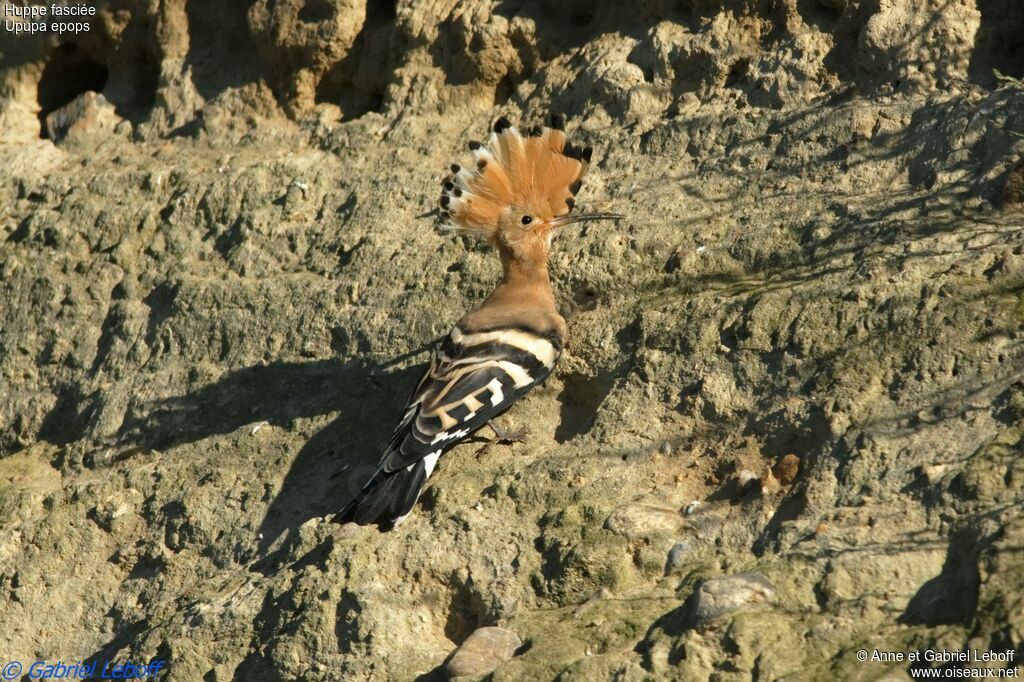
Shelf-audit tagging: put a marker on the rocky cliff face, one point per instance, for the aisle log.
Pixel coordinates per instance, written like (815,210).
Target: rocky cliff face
(788,425)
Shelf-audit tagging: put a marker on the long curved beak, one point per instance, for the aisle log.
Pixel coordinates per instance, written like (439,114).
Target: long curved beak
(583,217)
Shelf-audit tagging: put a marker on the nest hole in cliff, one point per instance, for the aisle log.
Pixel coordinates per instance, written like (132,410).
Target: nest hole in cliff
(352,101)
(999,42)
(737,72)
(823,15)
(568,25)
(221,51)
(68,73)
(346,83)
(505,89)
(315,11)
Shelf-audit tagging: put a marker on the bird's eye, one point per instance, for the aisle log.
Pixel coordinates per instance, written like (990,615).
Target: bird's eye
(527,220)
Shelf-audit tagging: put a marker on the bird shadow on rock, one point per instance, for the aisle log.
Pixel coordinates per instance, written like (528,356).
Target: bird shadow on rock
(337,460)
(334,462)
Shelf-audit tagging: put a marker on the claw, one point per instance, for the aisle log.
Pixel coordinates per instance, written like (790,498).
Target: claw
(506,436)
(502,435)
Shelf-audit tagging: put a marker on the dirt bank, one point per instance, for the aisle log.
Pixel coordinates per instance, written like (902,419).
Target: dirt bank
(788,425)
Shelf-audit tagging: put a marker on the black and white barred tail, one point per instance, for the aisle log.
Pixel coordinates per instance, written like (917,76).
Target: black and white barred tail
(474,377)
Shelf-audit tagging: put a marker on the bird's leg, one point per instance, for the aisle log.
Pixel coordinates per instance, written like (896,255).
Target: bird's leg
(502,435)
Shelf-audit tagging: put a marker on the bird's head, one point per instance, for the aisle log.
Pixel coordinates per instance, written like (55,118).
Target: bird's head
(519,190)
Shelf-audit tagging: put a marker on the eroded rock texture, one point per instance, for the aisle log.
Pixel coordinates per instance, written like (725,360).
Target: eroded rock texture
(788,425)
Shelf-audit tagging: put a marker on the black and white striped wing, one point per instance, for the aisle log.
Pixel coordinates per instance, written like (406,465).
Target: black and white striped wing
(473,378)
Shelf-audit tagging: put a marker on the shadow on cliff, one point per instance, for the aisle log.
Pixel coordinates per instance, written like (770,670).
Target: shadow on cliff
(854,232)
(999,41)
(221,53)
(329,468)
(332,466)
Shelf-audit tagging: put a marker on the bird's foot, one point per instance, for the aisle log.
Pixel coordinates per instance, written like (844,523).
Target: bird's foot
(507,436)
(502,435)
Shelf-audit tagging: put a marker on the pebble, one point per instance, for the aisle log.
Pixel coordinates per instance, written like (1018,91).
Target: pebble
(87,112)
(769,484)
(1013,191)
(787,469)
(677,557)
(746,480)
(293,197)
(720,597)
(482,652)
(642,520)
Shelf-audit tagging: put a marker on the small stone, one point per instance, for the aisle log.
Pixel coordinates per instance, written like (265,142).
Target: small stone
(746,480)
(642,520)
(677,557)
(769,484)
(933,473)
(720,597)
(689,103)
(88,112)
(108,512)
(482,652)
(293,197)
(787,469)
(1013,190)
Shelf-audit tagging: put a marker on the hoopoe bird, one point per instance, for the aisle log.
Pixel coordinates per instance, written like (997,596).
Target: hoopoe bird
(516,195)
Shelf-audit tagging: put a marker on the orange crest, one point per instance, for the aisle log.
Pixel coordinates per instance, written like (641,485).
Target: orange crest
(538,175)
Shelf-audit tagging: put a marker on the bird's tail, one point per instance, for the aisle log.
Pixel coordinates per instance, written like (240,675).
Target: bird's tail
(388,497)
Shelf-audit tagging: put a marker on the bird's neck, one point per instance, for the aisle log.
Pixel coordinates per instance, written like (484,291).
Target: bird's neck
(516,271)
(525,279)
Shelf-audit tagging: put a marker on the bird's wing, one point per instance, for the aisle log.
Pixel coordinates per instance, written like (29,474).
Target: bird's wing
(473,378)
